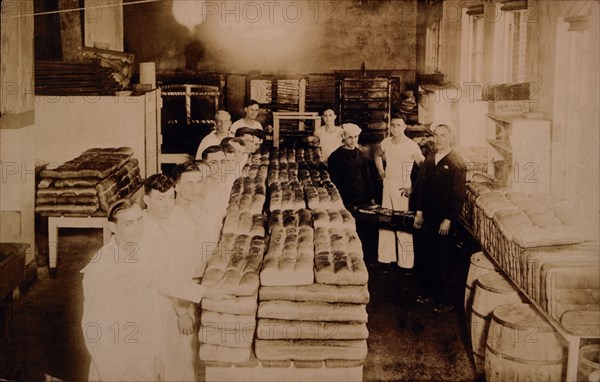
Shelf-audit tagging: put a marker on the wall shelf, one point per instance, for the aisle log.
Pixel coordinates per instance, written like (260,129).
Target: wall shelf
(521,149)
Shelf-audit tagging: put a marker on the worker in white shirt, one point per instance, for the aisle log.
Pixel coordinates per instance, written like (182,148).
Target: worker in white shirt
(169,236)
(251,108)
(222,125)
(194,182)
(119,303)
(329,135)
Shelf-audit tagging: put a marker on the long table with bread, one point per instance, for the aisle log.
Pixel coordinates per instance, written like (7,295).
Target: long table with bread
(294,261)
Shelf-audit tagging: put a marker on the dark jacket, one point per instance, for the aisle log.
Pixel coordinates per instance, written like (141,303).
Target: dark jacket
(441,188)
(349,171)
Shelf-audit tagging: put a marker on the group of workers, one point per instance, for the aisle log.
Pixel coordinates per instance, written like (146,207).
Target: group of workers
(141,291)
(430,183)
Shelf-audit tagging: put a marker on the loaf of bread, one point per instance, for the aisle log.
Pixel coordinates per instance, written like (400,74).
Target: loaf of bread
(320,219)
(62,209)
(283,176)
(75,182)
(298,202)
(228,320)
(246,201)
(65,200)
(276,201)
(220,335)
(336,200)
(219,353)
(352,294)
(244,223)
(511,221)
(258,225)
(534,236)
(258,201)
(268,329)
(324,199)
(304,218)
(312,311)
(493,202)
(321,240)
(66,191)
(335,218)
(348,219)
(310,350)
(354,243)
(312,197)
(338,240)
(340,268)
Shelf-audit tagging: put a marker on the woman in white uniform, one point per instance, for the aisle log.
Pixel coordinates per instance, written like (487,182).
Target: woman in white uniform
(400,153)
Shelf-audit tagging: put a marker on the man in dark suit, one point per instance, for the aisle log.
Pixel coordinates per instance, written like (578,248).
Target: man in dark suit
(440,194)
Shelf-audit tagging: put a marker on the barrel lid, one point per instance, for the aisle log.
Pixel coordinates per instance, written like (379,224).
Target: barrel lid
(495,282)
(479,259)
(520,317)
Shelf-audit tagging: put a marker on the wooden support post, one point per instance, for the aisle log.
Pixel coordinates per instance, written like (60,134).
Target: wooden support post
(71,37)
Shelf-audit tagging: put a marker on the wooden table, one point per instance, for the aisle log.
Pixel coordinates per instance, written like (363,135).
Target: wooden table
(96,221)
(57,222)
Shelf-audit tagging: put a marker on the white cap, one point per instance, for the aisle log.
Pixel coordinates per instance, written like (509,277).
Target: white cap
(435,124)
(351,128)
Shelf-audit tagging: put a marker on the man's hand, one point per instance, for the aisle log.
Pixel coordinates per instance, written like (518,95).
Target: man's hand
(444,227)
(382,175)
(186,324)
(405,191)
(217,292)
(418,220)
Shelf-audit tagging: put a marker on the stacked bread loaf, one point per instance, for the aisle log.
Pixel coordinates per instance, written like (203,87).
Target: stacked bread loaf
(228,326)
(88,184)
(313,293)
(549,252)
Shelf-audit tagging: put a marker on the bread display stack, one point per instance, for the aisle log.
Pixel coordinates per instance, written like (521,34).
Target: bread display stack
(313,293)
(548,251)
(88,184)
(227,327)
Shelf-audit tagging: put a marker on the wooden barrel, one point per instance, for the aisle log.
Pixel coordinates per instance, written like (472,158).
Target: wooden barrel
(480,265)
(589,363)
(491,291)
(522,346)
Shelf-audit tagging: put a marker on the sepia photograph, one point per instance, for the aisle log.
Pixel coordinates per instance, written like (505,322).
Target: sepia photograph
(300,190)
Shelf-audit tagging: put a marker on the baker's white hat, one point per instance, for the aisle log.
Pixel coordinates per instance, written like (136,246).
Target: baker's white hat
(351,128)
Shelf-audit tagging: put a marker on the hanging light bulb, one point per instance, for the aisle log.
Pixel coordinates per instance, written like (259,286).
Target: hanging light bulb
(189,13)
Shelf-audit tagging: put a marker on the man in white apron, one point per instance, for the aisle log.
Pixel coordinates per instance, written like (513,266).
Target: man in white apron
(400,152)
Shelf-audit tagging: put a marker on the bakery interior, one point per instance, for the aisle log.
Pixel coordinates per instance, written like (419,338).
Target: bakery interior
(518,80)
